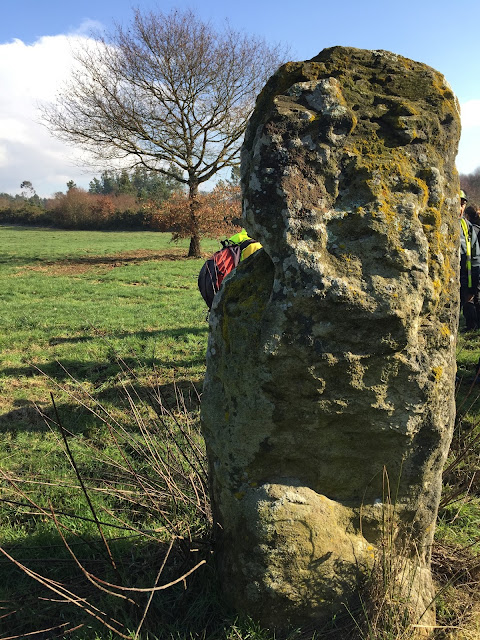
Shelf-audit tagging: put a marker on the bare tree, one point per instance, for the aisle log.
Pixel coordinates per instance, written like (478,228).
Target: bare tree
(170,91)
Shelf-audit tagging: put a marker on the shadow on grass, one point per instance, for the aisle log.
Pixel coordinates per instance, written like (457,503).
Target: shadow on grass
(100,372)
(138,512)
(104,377)
(168,333)
(80,419)
(191,606)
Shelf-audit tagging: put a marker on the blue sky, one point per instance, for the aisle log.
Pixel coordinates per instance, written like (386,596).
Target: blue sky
(36,35)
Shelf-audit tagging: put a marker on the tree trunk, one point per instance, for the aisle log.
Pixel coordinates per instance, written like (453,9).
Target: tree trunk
(194,249)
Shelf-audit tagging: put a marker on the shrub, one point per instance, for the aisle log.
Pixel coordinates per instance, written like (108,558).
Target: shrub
(218,213)
(78,209)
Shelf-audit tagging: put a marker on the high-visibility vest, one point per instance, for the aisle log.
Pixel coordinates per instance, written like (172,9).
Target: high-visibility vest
(468,245)
(240,237)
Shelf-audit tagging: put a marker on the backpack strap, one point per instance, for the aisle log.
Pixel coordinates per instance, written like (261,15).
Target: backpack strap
(244,244)
(228,243)
(468,244)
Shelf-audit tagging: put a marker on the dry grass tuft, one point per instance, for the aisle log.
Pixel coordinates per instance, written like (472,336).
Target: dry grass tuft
(456,571)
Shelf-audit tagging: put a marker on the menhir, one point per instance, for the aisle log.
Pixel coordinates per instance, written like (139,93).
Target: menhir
(329,391)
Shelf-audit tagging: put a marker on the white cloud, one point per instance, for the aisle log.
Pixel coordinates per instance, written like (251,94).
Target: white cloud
(87,27)
(470,113)
(3,155)
(468,158)
(12,130)
(29,75)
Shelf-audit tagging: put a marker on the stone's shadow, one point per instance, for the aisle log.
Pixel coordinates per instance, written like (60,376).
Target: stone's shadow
(61,340)
(97,373)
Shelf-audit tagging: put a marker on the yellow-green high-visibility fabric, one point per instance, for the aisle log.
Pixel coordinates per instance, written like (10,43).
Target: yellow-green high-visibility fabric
(240,237)
(254,246)
(468,244)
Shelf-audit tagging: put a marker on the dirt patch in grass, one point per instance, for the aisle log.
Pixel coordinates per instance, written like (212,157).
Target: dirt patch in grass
(85,263)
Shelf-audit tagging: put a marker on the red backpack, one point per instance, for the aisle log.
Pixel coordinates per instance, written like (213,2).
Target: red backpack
(218,266)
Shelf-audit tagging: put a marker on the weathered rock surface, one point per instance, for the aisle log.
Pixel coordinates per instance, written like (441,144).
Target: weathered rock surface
(331,352)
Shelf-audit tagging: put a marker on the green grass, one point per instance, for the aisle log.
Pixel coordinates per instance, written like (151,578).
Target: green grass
(83,298)
(75,306)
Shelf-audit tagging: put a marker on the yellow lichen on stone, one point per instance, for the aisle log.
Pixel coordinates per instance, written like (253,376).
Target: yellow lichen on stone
(445,331)
(437,372)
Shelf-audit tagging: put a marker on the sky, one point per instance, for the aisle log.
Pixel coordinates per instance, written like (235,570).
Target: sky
(37,36)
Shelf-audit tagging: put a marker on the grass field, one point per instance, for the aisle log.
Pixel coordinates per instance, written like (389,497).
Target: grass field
(82,297)
(113,326)
(77,310)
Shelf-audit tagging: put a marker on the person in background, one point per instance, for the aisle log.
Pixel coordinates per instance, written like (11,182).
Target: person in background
(472,214)
(463,201)
(470,264)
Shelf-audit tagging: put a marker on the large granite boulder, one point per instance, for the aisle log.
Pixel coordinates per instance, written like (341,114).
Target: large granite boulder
(329,391)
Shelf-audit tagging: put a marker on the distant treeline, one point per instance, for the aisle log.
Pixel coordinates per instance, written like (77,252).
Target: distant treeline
(116,200)
(139,200)
(470,183)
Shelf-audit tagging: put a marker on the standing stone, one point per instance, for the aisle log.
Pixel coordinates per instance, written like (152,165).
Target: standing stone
(331,357)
